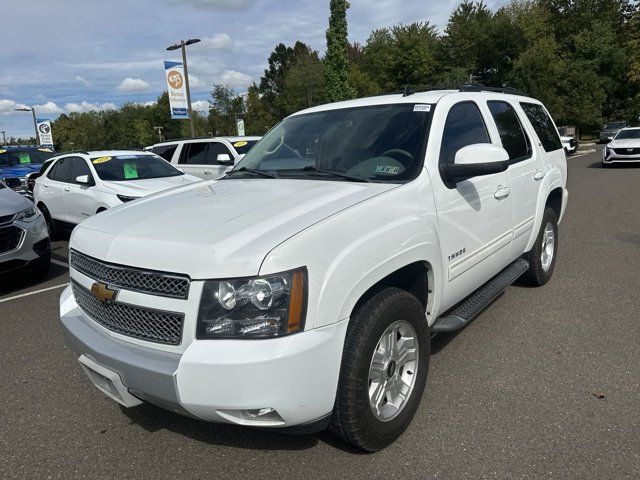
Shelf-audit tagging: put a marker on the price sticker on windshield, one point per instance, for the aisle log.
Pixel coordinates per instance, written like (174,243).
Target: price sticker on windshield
(99,160)
(240,144)
(422,108)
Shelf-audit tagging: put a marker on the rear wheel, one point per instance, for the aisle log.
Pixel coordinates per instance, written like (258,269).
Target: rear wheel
(542,257)
(383,372)
(51,227)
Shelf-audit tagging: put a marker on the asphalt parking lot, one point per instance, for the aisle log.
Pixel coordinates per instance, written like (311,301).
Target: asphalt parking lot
(514,395)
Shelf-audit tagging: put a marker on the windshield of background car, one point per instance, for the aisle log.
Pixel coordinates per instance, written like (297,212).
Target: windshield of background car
(628,134)
(614,126)
(243,146)
(121,168)
(380,143)
(24,157)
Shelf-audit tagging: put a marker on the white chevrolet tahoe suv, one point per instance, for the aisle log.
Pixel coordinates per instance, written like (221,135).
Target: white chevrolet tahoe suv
(300,291)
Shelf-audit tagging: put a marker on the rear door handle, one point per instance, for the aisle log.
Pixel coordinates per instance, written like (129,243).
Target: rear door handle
(502,192)
(538,175)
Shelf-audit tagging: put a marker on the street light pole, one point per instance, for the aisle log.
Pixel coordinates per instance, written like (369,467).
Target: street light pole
(182,45)
(35,122)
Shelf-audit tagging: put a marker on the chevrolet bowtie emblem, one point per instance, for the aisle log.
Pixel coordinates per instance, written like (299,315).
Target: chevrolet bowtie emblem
(103,293)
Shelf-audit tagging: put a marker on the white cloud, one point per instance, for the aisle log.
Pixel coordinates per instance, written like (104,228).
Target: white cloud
(133,85)
(220,41)
(215,4)
(201,106)
(88,107)
(234,79)
(150,103)
(7,107)
(84,81)
(49,107)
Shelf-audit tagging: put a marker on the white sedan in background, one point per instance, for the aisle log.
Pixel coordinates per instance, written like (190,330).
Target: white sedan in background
(78,185)
(624,148)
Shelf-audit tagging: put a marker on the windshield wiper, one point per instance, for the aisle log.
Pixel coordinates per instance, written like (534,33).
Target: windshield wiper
(336,173)
(263,173)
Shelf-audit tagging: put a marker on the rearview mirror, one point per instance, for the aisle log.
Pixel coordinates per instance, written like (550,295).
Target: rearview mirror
(84,180)
(224,158)
(474,161)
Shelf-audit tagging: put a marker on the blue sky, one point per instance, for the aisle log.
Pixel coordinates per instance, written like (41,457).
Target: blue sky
(79,55)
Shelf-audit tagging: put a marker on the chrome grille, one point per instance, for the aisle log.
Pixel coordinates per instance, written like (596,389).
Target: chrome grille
(10,238)
(138,322)
(627,151)
(130,278)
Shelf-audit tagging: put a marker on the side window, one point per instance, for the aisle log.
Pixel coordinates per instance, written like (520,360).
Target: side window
(464,126)
(543,126)
(79,167)
(203,153)
(514,139)
(61,171)
(165,151)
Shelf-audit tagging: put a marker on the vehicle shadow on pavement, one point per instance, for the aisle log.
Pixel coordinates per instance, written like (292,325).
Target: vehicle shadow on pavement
(24,280)
(154,419)
(598,165)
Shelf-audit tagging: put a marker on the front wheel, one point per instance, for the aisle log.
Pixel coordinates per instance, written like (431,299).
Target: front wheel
(383,372)
(542,257)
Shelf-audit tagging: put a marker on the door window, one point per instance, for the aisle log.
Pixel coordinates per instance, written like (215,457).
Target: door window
(165,151)
(79,167)
(514,139)
(61,171)
(203,153)
(464,126)
(543,125)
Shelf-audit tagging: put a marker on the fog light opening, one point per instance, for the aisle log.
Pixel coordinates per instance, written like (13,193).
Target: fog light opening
(265,414)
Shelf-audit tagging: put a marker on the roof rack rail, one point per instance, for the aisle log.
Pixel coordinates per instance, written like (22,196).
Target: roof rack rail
(84,152)
(480,87)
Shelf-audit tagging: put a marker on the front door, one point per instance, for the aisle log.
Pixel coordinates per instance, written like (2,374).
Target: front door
(79,199)
(475,215)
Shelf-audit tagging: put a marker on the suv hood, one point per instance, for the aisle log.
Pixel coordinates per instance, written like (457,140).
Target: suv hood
(141,188)
(626,143)
(12,202)
(215,229)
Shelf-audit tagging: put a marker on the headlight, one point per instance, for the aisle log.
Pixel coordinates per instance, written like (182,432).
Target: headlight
(27,215)
(258,307)
(126,198)
(608,151)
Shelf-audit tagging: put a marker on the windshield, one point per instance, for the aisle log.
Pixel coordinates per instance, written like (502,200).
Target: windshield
(24,157)
(614,125)
(243,146)
(380,143)
(628,134)
(133,167)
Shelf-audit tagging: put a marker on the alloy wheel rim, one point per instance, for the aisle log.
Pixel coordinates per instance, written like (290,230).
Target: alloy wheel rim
(393,370)
(548,246)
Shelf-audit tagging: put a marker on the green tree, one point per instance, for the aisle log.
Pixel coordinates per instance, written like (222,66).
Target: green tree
(336,62)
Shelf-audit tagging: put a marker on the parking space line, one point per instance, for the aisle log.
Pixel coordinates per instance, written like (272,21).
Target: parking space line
(15,297)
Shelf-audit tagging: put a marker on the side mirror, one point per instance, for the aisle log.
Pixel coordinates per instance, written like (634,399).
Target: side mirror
(474,161)
(224,158)
(84,180)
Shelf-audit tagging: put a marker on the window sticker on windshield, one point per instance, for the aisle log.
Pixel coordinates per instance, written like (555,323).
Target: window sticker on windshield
(98,160)
(240,144)
(3,151)
(422,108)
(130,170)
(387,169)
(24,157)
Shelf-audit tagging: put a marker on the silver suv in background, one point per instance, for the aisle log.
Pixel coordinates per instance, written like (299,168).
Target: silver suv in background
(206,158)
(24,239)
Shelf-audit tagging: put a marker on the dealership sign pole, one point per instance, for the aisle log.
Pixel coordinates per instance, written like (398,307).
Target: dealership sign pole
(44,132)
(184,81)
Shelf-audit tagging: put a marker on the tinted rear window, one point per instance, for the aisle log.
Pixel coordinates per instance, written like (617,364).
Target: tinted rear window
(543,125)
(514,139)
(165,151)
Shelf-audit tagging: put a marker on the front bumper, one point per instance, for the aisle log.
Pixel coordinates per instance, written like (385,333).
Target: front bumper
(33,246)
(617,158)
(218,380)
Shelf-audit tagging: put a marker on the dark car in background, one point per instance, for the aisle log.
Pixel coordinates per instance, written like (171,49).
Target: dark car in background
(610,130)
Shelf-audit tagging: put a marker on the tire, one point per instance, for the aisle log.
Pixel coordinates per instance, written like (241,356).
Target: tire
(51,226)
(541,269)
(353,418)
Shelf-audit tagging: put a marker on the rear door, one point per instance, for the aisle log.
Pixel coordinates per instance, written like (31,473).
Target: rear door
(525,169)
(52,186)
(79,199)
(201,159)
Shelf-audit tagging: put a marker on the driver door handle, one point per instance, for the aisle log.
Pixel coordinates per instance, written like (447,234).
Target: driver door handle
(538,175)
(502,192)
